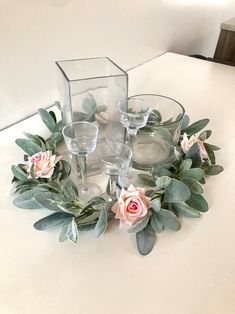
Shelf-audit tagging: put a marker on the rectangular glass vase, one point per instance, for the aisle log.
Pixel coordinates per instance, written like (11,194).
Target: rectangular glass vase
(89,90)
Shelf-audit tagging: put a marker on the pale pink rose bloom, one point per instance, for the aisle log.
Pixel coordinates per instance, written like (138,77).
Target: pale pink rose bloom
(43,164)
(131,206)
(186,143)
(102,117)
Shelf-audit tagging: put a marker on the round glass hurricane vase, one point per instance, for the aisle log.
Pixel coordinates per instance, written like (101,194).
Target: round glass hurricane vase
(133,115)
(80,139)
(155,144)
(114,159)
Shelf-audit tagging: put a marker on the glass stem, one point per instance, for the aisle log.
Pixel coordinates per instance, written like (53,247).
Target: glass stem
(112,185)
(83,168)
(131,137)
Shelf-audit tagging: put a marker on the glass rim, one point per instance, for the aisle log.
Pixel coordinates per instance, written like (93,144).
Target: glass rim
(166,97)
(59,65)
(76,123)
(133,114)
(113,143)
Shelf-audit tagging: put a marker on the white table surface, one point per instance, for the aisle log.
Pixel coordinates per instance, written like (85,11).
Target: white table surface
(189,271)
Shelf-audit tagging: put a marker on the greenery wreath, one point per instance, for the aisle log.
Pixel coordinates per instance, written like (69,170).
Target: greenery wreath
(174,189)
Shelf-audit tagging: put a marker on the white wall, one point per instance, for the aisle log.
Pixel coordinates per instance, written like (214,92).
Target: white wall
(35,33)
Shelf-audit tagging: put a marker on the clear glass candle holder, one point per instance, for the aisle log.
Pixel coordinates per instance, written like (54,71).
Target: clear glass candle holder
(156,142)
(89,90)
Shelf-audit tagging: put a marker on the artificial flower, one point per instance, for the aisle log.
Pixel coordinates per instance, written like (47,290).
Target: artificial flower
(132,205)
(41,165)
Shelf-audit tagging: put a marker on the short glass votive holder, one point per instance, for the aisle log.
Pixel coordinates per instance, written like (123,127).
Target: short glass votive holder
(155,144)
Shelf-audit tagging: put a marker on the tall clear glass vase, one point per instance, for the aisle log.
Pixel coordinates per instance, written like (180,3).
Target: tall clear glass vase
(89,90)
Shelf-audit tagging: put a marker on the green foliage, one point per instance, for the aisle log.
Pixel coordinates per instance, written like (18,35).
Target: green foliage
(195,127)
(140,225)
(205,135)
(72,231)
(160,171)
(197,202)
(156,204)
(69,231)
(175,187)
(185,165)
(28,146)
(193,185)
(52,220)
(53,116)
(147,179)
(55,137)
(89,104)
(168,219)
(102,223)
(145,240)
(155,223)
(35,138)
(162,132)
(211,147)
(213,170)
(194,154)
(186,211)
(185,122)
(51,145)
(58,127)
(162,182)
(195,173)
(47,119)
(27,199)
(49,200)
(154,117)
(176,192)
(18,172)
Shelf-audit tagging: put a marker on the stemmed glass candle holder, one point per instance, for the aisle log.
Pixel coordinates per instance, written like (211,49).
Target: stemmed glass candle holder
(114,158)
(133,115)
(80,139)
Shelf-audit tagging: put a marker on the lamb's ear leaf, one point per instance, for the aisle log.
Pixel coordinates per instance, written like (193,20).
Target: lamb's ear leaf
(147,179)
(89,104)
(18,172)
(52,220)
(187,211)
(102,223)
(185,122)
(194,153)
(195,127)
(27,199)
(176,192)
(145,240)
(168,219)
(72,231)
(197,202)
(47,119)
(140,225)
(28,146)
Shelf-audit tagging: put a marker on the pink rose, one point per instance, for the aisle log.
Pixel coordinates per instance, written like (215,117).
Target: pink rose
(186,143)
(131,205)
(41,165)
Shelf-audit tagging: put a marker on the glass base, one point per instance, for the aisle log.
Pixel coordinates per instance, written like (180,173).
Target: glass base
(92,191)
(150,150)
